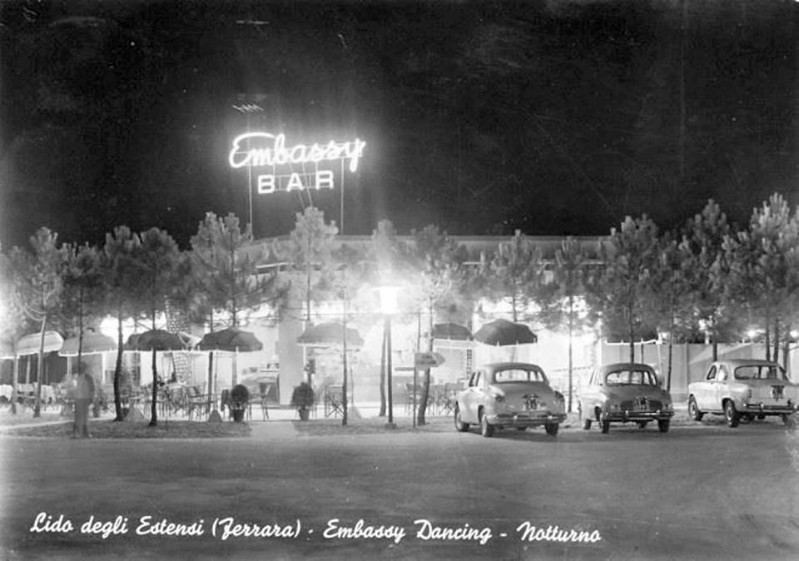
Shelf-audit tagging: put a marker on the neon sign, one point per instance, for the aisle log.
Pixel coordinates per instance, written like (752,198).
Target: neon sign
(265,149)
(262,149)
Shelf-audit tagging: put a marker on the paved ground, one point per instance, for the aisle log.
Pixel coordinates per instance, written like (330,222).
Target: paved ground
(698,492)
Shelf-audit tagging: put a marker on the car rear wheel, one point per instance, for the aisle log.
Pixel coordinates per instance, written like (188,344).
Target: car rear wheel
(663,425)
(486,429)
(642,424)
(460,426)
(587,424)
(552,428)
(693,410)
(731,414)
(789,421)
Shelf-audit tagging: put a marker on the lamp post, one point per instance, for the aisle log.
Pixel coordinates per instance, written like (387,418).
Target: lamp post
(388,305)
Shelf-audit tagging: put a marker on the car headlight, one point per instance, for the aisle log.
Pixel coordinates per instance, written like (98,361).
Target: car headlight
(667,406)
(499,398)
(559,397)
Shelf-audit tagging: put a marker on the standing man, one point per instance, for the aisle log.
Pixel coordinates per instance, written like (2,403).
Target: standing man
(84,394)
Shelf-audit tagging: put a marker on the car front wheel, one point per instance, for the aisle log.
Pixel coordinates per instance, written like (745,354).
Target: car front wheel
(486,429)
(587,424)
(693,410)
(552,428)
(460,426)
(789,421)
(605,424)
(731,414)
(663,426)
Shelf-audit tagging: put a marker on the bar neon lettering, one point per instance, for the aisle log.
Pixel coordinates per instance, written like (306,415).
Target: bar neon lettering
(259,149)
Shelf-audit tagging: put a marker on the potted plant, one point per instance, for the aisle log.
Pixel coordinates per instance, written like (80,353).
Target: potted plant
(239,400)
(303,399)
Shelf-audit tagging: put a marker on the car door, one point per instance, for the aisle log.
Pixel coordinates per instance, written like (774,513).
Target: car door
(704,390)
(720,387)
(471,397)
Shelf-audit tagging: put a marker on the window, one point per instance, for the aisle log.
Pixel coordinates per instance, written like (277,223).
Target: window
(722,376)
(711,374)
(517,375)
(633,377)
(760,372)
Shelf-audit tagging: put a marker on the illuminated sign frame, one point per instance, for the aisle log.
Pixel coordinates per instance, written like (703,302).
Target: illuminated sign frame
(263,149)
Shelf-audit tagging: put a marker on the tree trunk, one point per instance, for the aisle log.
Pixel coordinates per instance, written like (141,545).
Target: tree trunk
(37,406)
(786,348)
(344,363)
(383,377)
(571,335)
(154,404)
(420,417)
(211,388)
(14,385)
(768,338)
(118,370)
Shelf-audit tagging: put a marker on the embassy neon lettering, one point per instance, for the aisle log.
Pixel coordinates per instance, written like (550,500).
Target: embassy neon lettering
(259,149)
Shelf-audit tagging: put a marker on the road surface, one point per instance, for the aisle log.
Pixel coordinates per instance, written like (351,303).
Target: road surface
(697,492)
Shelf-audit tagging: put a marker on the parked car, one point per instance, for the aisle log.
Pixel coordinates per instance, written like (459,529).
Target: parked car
(509,394)
(744,389)
(625,392)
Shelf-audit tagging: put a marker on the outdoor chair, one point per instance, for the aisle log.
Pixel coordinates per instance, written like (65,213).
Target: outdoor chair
(409,398)
(448,398)
(197,403)
(334,400)
(261,399)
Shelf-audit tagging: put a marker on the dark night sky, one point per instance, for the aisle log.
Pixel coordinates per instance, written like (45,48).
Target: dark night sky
(555,117)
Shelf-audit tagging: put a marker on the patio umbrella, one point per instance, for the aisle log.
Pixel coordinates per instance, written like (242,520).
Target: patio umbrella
(155,340)
(502,332)
(329,334)
(452,331)
(231,339)
(93,343)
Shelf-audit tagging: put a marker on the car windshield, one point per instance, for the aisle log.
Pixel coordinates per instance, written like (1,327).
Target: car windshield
(518,375)
(631,377)
(760,372)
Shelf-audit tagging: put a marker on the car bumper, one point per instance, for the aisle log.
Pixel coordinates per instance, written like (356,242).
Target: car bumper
(761,409)
(635,416)
(525,419)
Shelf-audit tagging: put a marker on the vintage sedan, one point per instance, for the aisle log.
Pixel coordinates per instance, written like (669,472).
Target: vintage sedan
(625,392)
(742,389)
(509,394)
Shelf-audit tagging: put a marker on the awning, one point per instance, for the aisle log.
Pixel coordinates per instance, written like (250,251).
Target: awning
(29,344)
(93,343)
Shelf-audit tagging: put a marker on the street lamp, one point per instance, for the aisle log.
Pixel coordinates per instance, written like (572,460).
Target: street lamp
(388,305)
